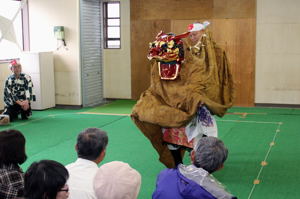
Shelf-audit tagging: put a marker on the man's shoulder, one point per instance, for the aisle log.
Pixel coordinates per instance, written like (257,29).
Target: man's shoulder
(167,174)
(206,181)
(26,76)
(70,166)
(167,171)
(216,188)
(11,77)
(82,164)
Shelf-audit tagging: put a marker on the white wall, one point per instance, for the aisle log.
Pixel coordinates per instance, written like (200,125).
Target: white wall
(117,65)
(278,52)
(43,16)
(4,73)
(116,62)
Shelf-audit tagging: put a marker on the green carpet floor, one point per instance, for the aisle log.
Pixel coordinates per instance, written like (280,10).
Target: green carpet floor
(117,107)
(252,135)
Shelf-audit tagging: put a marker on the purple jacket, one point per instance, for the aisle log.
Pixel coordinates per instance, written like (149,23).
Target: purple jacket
(171,184)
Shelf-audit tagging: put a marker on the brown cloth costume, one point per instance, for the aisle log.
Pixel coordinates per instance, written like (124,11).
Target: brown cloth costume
(205,78)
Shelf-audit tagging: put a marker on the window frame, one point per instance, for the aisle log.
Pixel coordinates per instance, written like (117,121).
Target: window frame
(25,31)
(105,24)
(25,27)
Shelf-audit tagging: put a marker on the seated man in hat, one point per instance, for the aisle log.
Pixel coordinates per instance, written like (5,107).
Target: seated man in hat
(17,94)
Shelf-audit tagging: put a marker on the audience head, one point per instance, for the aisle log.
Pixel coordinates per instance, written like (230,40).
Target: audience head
(46,180)
(12,147)
(91,144)
(117,180)
(210,154)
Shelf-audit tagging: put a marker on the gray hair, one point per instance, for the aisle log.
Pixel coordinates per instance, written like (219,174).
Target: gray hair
(210,154)
(90,143)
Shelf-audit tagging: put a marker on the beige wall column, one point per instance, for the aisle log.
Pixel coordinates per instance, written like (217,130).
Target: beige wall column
(278,52)
(4,73)
(117,62)
(43,16)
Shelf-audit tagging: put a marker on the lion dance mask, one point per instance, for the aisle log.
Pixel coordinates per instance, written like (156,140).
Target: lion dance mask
(168,51)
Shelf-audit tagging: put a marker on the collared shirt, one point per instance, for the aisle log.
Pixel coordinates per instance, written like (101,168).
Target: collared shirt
(17,89)
(11,181)
(82,173)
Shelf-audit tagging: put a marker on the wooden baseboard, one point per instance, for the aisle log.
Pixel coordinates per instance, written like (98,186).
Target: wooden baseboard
(277,105)
(68,106)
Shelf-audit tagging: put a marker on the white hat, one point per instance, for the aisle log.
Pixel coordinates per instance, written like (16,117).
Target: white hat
(198,26)
(13,62)
(117,180)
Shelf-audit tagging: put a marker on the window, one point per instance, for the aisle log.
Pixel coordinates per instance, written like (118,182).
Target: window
(13,28)
(111,24)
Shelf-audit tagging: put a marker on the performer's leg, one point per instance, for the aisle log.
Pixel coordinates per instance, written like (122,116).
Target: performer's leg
(177,156)
(153,133)
(176,153)
(12,111)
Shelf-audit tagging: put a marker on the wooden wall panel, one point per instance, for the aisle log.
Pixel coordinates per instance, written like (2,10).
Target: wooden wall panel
(180,26)
(237,37)
(143,32)
(170,9)
(229,9)
(233,24)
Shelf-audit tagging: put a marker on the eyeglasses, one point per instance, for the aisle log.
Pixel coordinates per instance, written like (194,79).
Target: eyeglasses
(66,190)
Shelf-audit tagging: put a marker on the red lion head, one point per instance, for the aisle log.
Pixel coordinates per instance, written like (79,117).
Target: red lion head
(167,47)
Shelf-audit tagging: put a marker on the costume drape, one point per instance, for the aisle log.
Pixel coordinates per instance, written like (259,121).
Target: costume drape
(204,78)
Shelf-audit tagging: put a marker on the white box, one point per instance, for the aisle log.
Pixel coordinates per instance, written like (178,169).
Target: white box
(39,65)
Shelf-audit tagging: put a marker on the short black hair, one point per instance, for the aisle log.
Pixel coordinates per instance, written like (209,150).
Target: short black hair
(12,147)
(44,179)
(90,143)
